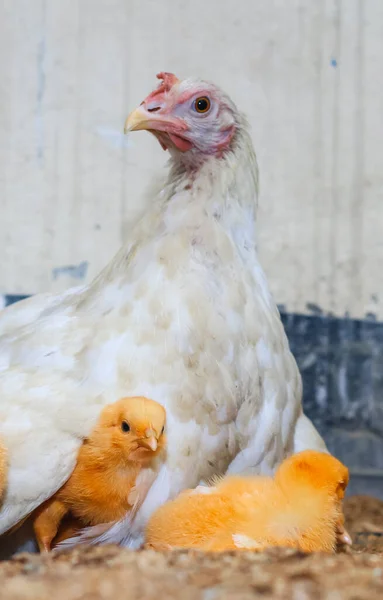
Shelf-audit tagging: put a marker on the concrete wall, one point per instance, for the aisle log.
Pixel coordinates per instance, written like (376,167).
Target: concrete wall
(307,73)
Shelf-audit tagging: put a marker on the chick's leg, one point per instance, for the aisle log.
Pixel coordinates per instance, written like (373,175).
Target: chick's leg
(342,535)
(47,522)
(67,529)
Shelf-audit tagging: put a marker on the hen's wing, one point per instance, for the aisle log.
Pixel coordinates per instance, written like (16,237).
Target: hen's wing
(28,310)
(41,423)
(52,389)
(45,406)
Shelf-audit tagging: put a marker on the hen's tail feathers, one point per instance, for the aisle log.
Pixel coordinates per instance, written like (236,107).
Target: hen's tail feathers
(306,437)
(105,533)
(88,536)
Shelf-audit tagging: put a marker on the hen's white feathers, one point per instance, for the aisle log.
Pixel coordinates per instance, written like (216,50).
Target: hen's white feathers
(183,315)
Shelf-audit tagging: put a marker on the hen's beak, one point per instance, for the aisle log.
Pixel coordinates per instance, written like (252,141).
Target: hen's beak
(138,119)
(149,441)
(164,126)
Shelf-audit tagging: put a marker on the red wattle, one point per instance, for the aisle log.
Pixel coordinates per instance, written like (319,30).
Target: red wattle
(180,143)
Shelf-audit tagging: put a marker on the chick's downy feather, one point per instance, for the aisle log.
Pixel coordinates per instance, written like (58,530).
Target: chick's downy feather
(182,314)
(300,508)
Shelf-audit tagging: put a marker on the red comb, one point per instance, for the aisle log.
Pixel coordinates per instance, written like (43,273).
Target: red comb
(168,80)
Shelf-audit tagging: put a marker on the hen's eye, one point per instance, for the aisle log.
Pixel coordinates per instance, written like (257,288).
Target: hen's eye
(125,426)
(202,104)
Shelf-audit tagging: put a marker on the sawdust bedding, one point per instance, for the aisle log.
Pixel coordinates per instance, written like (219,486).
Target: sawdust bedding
(117,574)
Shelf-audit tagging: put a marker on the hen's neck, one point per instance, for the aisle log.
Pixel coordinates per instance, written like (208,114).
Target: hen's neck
(222,189)
(219,183)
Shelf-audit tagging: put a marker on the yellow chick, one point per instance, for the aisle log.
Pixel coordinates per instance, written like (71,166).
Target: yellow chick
(301,507)
(128,437)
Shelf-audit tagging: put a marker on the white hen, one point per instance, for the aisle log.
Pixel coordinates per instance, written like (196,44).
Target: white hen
(182,315)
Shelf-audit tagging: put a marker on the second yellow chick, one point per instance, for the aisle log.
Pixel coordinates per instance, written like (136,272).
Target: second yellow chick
(301,507)
(128,437)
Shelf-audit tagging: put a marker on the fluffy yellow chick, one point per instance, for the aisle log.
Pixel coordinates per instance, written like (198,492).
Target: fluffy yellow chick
(128,436)
(301,507)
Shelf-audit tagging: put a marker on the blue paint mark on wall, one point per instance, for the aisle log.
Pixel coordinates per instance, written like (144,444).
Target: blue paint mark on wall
(74,271)
(115,138)
(334,63)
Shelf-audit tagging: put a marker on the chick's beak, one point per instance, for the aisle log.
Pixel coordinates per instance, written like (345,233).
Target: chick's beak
(149,441)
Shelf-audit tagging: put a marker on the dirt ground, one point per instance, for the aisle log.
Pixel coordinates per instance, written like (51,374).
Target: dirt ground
(111,573)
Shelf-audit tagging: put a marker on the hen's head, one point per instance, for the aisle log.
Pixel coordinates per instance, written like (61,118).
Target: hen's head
(187,117)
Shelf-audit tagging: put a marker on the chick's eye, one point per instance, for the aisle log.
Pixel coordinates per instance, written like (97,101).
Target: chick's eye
(125,426)
(202,104)
(162,430)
